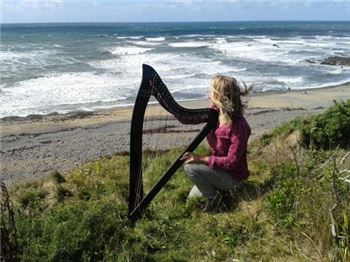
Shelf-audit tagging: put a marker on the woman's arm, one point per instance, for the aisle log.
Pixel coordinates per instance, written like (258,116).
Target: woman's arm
(189,157)
(211,138)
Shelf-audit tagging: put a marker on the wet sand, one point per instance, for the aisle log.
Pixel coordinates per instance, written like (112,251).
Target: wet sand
(33,146)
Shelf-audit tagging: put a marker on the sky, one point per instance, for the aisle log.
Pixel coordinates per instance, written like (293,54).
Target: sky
(42,11)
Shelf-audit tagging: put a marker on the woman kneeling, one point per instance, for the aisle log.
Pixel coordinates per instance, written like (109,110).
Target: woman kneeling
(227,164)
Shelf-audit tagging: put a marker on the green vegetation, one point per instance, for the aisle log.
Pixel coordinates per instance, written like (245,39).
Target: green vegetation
(324,131)
(294,207)
(330,129)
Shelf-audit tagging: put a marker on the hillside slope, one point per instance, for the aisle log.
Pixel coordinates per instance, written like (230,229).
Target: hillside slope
(295,206)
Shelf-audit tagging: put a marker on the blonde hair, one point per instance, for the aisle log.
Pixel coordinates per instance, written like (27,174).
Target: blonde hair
(226,95)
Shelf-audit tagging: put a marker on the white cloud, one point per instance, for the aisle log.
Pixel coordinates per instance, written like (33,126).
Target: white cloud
(31,4)
(165,9)
(276,2)
(41,3)
(261,3)
(203,1)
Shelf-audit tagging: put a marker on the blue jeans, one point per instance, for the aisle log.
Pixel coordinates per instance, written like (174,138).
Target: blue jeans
(207,181)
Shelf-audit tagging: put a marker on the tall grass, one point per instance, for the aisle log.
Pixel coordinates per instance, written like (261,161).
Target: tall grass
(294,207)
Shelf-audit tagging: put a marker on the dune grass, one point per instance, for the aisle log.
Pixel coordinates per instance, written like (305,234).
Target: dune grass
(295,206)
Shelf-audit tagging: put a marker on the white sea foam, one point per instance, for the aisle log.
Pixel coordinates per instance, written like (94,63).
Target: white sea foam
(2,92)
(145,43)
(336,71)
(273,82)
(275,62)
(247,51)
(289,80)
(233,69)
(295,41)
(9,56)
(54,92)
(221,40)
(188,44)
(12,61)
(129,37)
(176,69)
(170,65)
(321,45)
(282,51)
(132,50)
(155,39)
(327,37)
(323,85)
(265,40)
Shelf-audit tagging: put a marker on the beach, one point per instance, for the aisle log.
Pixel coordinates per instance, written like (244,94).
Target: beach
(34,146)
(67,89)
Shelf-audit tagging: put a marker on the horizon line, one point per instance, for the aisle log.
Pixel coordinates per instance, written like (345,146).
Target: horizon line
(199,21)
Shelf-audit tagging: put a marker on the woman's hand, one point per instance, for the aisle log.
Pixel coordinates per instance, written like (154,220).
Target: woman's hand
(189,157)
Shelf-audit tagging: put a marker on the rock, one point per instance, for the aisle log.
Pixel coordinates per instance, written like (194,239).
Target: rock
(336,60)
(310,61)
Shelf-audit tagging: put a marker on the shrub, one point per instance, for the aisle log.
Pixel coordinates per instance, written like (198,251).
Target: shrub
(329,129)
(324,131)
(31,198)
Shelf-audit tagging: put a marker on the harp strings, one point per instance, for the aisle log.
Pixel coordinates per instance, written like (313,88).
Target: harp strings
(155,136)
(149,141)
(161,131)
(182,131)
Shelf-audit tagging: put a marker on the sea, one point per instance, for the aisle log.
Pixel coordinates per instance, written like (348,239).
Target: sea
(67,67)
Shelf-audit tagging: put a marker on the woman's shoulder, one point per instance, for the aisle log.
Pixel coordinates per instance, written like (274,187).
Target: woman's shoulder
(239,120)
(240,123)
(223,130)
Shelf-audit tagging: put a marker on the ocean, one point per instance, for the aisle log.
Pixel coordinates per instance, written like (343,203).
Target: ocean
(65,67)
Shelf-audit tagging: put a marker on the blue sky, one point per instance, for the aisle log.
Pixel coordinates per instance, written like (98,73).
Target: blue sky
(26,11)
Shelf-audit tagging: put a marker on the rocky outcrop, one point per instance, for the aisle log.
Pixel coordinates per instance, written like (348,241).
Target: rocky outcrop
(337,60)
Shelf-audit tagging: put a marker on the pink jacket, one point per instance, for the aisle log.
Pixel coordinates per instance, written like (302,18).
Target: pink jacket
(229,147)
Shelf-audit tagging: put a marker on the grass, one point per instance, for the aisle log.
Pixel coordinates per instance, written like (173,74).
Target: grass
(285,212)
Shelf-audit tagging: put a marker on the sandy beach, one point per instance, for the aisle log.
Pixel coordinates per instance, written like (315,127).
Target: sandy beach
(33,146)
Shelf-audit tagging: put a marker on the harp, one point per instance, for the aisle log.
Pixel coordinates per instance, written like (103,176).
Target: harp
(152,85)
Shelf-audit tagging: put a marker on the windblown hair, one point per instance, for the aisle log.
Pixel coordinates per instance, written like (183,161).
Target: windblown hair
(226,95)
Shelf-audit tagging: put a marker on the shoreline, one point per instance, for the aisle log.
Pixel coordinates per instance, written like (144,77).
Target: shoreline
(305,98)
(87,113)
(33,147)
